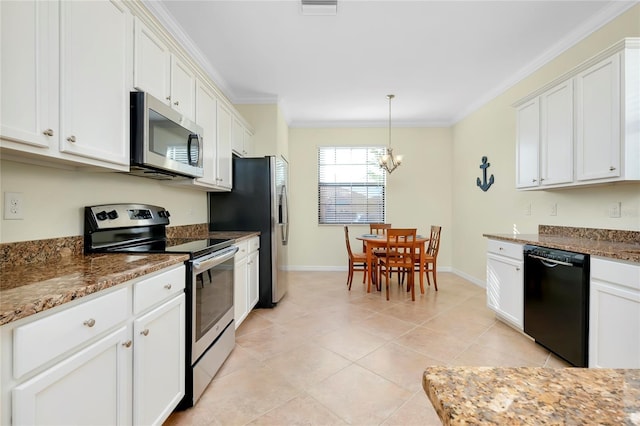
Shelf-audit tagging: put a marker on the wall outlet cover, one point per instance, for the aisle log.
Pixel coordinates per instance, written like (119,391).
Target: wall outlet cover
(615,209)
(13,206)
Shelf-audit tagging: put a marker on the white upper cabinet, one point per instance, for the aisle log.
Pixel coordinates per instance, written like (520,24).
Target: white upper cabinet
(224,155)
(556,135)
(598,120)
(588,128)
(162,73)
(206,118)
(94,97)
(152,63)
(242,138)
(61,99)
(528,144)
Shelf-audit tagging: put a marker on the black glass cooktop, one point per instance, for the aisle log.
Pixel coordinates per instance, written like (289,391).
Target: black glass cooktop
(191,246)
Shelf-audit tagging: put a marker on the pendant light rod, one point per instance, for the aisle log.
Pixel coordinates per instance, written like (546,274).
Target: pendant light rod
(388,161)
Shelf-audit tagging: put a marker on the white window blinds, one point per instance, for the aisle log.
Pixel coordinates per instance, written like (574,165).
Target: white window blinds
(351,185)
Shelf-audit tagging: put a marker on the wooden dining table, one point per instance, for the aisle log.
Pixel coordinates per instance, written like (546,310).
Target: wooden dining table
(372,241)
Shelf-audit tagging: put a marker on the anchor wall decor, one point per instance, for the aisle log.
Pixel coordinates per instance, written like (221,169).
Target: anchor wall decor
(484,185)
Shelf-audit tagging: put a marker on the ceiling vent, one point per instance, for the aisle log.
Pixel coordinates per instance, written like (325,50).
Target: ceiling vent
(320,7)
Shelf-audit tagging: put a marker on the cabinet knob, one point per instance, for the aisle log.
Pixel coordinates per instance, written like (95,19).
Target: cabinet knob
(71,139)
(168,98)
(612,168)
(517,269)
(176,103)
(48,132)
(534,180)
(167,286)
(145,332)
(127,344)
(500,248)
(90,322)
(541,179)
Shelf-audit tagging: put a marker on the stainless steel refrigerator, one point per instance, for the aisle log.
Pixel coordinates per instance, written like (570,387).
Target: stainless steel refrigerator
(258,202)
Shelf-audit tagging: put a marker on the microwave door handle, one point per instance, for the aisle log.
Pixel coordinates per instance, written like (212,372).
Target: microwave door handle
(193,136)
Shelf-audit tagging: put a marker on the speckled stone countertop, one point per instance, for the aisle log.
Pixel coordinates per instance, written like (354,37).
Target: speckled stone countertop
(42,274)
(621,245)
(534,396)
(28,289)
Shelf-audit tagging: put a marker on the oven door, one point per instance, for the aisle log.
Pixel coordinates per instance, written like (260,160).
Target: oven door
(212,298)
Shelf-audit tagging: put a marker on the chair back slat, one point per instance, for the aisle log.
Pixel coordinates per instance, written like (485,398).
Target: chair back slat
(434,241)
(379,228)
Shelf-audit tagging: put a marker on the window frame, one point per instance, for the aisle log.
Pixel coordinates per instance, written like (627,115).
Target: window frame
(371,184)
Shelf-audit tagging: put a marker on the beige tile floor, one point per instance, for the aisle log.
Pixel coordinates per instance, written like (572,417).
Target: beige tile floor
(327,356)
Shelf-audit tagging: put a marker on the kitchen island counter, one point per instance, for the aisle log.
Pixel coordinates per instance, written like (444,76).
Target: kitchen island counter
(532,396)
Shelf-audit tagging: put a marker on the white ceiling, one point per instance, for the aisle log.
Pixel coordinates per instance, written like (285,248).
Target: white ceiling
(442,59)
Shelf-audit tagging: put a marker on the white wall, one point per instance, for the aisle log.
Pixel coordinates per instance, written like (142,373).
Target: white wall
(418,193)
(54,199)
(490,131)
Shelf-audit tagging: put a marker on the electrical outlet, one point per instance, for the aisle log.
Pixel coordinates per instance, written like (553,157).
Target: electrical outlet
(527,209)
(553,211)
(615,209)
(13,205)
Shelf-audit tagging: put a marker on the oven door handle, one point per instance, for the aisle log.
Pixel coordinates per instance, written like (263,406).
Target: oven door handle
(549,262)
(213,259)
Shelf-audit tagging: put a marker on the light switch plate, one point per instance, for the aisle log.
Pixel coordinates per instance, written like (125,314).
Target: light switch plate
(553,210)
(615,209)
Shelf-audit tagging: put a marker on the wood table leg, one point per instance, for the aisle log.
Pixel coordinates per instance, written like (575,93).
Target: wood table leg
(422,268)
(369,267)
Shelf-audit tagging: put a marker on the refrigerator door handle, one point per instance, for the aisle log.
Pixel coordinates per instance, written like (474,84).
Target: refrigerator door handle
(284,214)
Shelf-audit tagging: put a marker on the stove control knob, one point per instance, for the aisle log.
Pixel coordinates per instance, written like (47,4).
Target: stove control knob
(101,215)
(166,213)
(162,213)
(113,214)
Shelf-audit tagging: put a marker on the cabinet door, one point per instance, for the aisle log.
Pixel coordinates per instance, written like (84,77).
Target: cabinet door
(28,74)
(91,387)
(206,118)
(614,326)
(159,362)
(224,174)
(238,137)
(248,142)
(152,62)
(253,278)
(505,288)
(95,78)
(598,121)
(527,144)
(183,84)
(240,297)
(556,138)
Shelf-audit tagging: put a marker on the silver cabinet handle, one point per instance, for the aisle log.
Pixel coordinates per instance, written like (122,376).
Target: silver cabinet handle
(612,168)
(176,103)
(145,332)
(48,132)
(534,180)
(127,344)
(168,98)
(167,286)
(517,269)
(71,139)
(90,322)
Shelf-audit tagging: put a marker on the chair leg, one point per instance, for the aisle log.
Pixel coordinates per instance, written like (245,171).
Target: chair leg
(412,282)
(435,280)
(350,275)
(387,282)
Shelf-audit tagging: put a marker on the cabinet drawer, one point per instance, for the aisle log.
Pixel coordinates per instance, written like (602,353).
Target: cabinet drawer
(254,244)
(620,273)
(40,341)
(243,249)
(153,290)
(503,248)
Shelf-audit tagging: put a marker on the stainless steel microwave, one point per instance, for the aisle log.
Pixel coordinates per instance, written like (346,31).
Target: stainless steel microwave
(164,144)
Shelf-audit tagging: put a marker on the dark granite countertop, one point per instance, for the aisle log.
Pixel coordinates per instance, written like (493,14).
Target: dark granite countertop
(28,289)
(620,245)
(534,396)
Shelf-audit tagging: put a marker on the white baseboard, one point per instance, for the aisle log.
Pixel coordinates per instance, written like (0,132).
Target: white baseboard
(471,278)
(316,268)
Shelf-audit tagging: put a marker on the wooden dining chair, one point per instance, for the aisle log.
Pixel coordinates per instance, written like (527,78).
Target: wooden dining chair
(357,260)
(431,255)
(401,251)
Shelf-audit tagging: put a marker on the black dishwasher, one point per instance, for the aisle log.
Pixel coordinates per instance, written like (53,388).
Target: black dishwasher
(556,301)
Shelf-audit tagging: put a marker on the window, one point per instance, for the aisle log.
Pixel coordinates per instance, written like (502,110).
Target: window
(351,185)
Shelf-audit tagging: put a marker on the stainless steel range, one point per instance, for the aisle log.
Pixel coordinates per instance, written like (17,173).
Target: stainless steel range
(141,228)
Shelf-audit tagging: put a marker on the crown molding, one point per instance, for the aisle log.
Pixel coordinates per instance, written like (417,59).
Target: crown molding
(366,124)
(609,13)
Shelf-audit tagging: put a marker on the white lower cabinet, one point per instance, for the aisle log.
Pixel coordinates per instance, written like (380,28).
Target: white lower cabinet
(246,279)
(614,314)
(97,366)
(159,343)
(90,387)
(505,281)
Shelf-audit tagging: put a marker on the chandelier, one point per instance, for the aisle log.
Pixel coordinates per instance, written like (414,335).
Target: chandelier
(388,161)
